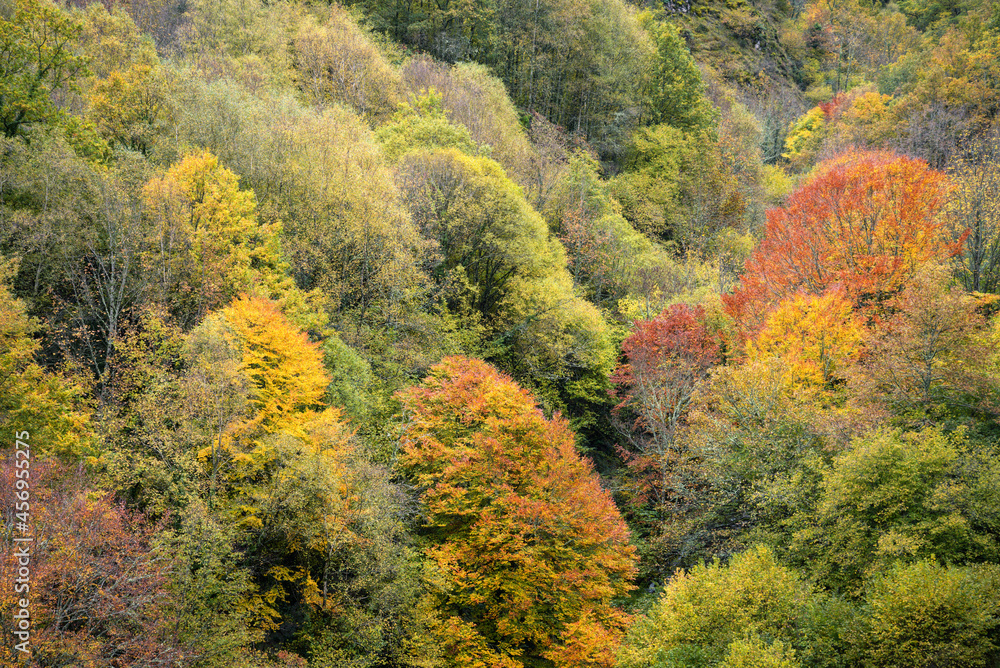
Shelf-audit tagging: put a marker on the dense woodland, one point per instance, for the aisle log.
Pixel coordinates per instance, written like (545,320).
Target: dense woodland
(499,334)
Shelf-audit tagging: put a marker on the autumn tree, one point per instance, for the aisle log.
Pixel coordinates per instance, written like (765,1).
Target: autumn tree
(528,551)
(817,338)
(97,582)
(752,611)
(38,58)
(207,243)
(933,359)
(130,106)
(867,220)
(338,62)
(280,369)
(893,497)
(666,359)
(472,97)
(31,398)
(925,612)
(322,175)
(974,206)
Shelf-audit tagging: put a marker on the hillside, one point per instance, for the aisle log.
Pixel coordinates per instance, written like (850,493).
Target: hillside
(558,334)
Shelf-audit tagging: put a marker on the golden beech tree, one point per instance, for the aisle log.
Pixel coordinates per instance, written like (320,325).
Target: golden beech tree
(817,337)
(208,245)
(273,373)
(528,552)
(867,220)
(284,368)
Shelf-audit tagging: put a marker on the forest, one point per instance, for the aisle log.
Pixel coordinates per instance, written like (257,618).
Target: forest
(499,334)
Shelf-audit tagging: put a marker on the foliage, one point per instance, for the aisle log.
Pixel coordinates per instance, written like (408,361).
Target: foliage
(866,220)
(717,615)
(131,105)
(528,548)
(338,62)
(926,614)
(894,497)
(232,241)
(32,399)
(95,578)
(472,97)
(804,138)
(607,257)
(423,126)
(974,206)
(207,244)
(677,96)
(37,58)
(494,263)
(682,187)
(667,357)
(932,358)
(580,63)
(345,232)
(817,338)
(283,367)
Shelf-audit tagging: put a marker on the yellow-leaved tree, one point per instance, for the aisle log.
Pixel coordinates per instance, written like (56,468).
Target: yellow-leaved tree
(817,337)
(48,407)
(250,351)
(207,245)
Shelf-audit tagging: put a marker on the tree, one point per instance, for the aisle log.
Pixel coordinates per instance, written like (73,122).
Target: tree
(974,206)
(667,358)
(207,243)
(284,369)
(529,552)
(817,337)
(715,615)
(496,266)
(478,219)
(898,497)
(580,63)
(339,62)
(471,96)
(926,614)
(36,59)
(423,125)
(682,186)
(867,220)
(47,406)
(130,106)
(96,583)
(933,358)
(677,91)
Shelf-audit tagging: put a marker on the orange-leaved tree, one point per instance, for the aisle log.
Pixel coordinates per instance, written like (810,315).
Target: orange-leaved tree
(866,220)
(528,551)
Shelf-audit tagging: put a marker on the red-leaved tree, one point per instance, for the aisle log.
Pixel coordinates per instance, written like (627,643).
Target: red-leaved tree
(666,358)
(96,584)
